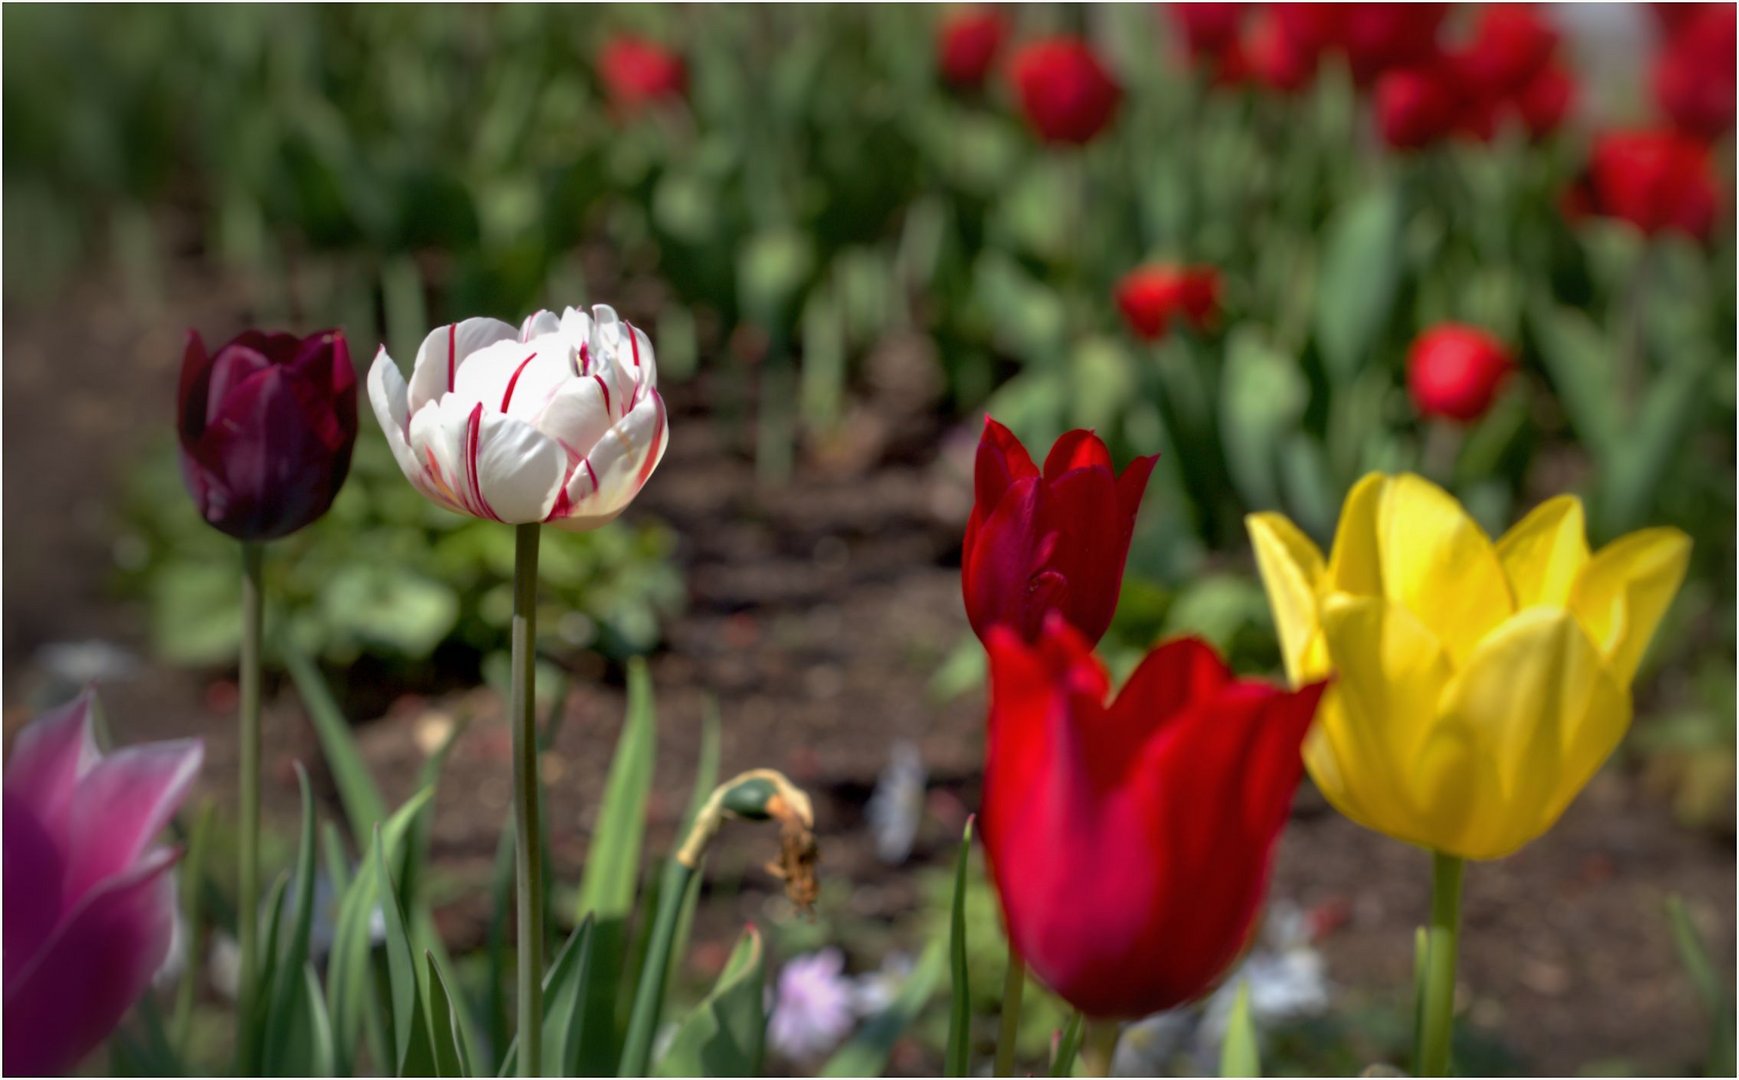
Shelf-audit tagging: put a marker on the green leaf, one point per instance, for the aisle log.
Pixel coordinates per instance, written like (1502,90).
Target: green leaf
(866,1053)
(282,1046)
(362,801)
(613,861)
(414,1054)
(192,915)
(1629,482)
(1583,372)
(1360,273)
(1068,1046)
(706,777)
(322,1058)
(446,1034)
(725,1033)
(1711,991)
(1262,399)
(564,990)
(958,1059)
(1238,1052)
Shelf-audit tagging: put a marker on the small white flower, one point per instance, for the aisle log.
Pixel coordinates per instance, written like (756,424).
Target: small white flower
(812,1006)
(559,421)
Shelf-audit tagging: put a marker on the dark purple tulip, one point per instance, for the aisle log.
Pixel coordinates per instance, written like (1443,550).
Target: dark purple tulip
(267,424)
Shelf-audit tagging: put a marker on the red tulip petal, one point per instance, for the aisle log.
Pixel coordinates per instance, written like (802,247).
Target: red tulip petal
(1078,449)
(121,805)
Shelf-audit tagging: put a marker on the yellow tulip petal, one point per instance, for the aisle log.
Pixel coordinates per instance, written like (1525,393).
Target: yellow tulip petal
(1625,589)
(1543,554)
(1440,565)
(1353,565)
(1389,672)
(1544,710)
(1291,568)
(1455,782)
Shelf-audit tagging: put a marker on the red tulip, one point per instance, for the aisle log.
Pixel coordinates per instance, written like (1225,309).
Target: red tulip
(1066,94)
(267,425)
(1455,372)
(1131,844)
(638,73)
(1383,37)
(90,905)
(1511,45)
(1209,30)
(1416,107)
(1694,75)
(1150,296)
(1052,541)
(967,44)
(1272,57)
(1546,100)
(1656,180)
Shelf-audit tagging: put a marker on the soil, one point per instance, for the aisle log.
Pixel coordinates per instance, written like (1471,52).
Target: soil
(818,612)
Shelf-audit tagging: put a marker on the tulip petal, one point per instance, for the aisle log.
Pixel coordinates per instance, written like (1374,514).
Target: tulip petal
(1438,562)
(1354,561)
(1544,552)
(1624,591)
(436,368)
(519,469)
(91,972)
(577,416)
(121,805)
(388,394)
(1292,571)
(30,860)
(1171,677)
(1080,507)
(1544,709)
(1000,461)
(618,466)
(195,374)
(1388,673)
(1078,449)
(541,322)
(48,757)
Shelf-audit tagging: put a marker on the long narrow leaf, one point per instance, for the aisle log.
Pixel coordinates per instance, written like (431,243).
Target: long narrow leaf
(725,1033)
(444,1030)
(866,1053)
(959,1052)
(414,1056)
(363,804)
(287,991)
(1238,1053)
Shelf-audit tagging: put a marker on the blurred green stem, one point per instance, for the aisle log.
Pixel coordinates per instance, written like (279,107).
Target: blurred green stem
(1098,1047)
(248,886)
(649,995)
(1013,983)
(1437,1009)
(192,878)
(528,829)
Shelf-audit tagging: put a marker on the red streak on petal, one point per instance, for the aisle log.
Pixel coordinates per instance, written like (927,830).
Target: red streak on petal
(562,508)
(473,432)
(633,341)
(586,463)
(585,359)
(511,382)
(606,390)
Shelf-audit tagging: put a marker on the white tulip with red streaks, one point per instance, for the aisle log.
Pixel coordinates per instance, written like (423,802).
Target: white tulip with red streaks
(559,421)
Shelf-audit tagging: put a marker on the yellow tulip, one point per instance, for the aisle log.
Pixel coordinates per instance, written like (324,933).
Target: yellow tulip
(1478,686)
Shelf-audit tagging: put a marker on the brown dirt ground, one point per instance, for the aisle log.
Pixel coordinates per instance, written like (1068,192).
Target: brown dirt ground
(816,616)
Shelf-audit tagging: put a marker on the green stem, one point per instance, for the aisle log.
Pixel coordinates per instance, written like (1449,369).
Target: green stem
(248,844)
(1013,983)
(1437,1007)
(1099,1046)
(649,997)
(528,828)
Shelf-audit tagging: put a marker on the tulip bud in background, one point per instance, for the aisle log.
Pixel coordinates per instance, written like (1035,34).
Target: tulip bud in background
(1455,372)
(1209,30)
(1511,44)
(1065,93)
(559,421)
(1383,37)
(1056,540)
(1477,686)
(1151,296)
(968,43)
(638,73)
(267,424)
(1131,843)
(1415,108)
(1546,101)
(1272,58)
(1656,180)
(90,904)
(1694,73)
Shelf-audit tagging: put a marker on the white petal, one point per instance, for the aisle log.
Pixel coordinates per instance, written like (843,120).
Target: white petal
(539,324)
(647,367)
(445,350)
(491,373)
(618,466)
(577,328)
(576,417)
(438,432)
(387,393)
(519,469)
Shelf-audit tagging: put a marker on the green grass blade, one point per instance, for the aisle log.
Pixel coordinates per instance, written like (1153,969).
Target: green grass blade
(363,805)
(866,1053)
(959,1053)
(286,989)
(725,1033)
(322,1054)
(563,992)
(1068,1046)
(1710,990)
(613,862)
(414,1055)
(445,1032)
(1239,1055)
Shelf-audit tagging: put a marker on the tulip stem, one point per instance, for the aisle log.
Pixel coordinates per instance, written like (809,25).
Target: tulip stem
(1437,1009)
(1013,983)
(248,844)
(528,839)
(1099,1047)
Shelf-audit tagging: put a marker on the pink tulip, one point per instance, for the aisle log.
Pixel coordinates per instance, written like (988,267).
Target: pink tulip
(90,906)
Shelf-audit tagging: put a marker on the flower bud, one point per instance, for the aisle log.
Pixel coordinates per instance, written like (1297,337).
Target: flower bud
(967,44)
(1065,92)
(267,425)
(638,73)
(1455,372)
